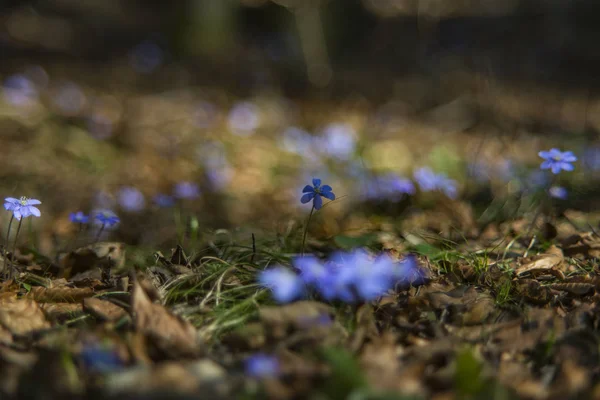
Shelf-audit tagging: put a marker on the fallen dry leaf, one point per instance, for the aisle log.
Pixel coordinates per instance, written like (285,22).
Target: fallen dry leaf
(61,294)
(103,309)
(22,316)
(170,333)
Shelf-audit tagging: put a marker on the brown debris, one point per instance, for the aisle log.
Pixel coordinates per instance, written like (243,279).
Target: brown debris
(173,335)
(21,316)
(103,309)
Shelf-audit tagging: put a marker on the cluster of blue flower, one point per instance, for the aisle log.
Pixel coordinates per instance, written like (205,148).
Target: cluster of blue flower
(347,276)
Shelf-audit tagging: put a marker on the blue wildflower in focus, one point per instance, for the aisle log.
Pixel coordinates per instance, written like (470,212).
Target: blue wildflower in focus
(22,207)
(284,284)
(556,160)
(262,366)
(186,190)
(558,192)
(99,359)
(131,199)
(315,192)
(79,218)
(429,181)
(339,141)
(146,57)
(106,218)
(244,118)
(164,200)
(19,90)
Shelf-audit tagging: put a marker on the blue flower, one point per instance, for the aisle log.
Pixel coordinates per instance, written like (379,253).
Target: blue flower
(100,359)
(106,217)
(390,186)
(146,57)
(244,118)
(284,284)
(262,366)
(23,207)
(131,199)
(315,193)
(186,190)
(164,200)
(558,192)
(339,140)
(79,217)
(557,160)
(19,90)
(365,277)
(429,181)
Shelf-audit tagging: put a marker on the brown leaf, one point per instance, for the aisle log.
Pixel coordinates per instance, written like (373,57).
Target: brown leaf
(296,315)
(533,291)
(61,311)
(171,334)
(21,316)
(100,255)
(577,289)
(103,309)
(61,294)
(546,263)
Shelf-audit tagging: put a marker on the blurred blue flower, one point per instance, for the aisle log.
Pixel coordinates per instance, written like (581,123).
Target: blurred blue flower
(19,90)
(556,160)
(429,181)
(131,199)
(213,156)
(366,278)
(99,126)
(388,187)
(22,207)
(591,159)
(164,200)
(558,192)
(407,272)
(79,218)
(146,57)
(69,99)
(262,366)
(186,190)
(106,217)
(205,114)
(296,140)
(284,284)
(100,359)
(244,118)
(338,140)
(315,193)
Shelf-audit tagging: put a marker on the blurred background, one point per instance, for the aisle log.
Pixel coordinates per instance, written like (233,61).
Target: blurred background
(210,114)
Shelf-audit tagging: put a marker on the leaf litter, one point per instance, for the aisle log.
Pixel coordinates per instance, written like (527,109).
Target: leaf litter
(477,321)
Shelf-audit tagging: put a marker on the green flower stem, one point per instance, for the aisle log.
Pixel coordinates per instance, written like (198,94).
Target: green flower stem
(100,232)
(8,266)
(14,249)
(306,229)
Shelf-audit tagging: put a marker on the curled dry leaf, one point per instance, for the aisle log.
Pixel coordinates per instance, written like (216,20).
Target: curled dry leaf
(546,263)
(21,316)
(170,333)
(298,315)
(102,256)
(103,309)
(577,289)
(61,294)
(61,311)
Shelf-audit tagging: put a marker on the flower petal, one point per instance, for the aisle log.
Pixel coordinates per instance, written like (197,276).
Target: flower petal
(307,197)
(12,200)
(35,211)
(316,182)
(566,166)
(556,167)
(32,202)
(308,189)
(318,203)
(326,188)
(328,195)
(17,214)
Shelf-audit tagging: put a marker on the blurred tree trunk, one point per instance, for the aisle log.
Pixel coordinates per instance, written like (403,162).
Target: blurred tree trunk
(210,28)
